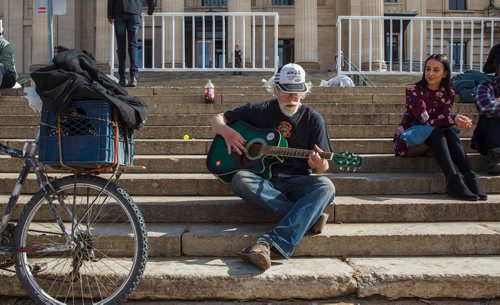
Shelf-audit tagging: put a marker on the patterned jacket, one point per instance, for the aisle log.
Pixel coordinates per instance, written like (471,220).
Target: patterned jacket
(425,107)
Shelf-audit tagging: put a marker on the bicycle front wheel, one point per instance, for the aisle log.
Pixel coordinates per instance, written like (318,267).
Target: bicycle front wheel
(108,241)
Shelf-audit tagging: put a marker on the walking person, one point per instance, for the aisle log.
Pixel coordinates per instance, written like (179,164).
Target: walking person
(293,194)
(126,16)
(427,116)
(238,57)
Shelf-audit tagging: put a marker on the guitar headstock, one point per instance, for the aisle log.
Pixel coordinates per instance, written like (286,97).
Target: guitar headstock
(347,160)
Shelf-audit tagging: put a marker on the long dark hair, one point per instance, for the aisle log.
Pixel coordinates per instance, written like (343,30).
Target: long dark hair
(446,81)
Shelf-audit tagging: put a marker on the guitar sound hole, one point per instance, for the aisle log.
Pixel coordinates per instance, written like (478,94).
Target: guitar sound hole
(254,150)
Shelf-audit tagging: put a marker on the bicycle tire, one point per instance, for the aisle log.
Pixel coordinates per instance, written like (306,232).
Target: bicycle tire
(111,244)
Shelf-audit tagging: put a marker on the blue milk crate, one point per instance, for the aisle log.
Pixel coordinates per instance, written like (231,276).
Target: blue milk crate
(87,137)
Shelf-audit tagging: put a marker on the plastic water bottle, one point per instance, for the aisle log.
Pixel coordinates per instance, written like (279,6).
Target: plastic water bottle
(209,93)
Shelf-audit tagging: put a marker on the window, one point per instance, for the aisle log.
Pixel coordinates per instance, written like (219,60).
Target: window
(214,2)
(457,5)
(392,52)
(459,55)
(282,2)
(285,51)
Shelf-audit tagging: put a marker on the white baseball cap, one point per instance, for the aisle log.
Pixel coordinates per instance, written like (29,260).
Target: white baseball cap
(291,78)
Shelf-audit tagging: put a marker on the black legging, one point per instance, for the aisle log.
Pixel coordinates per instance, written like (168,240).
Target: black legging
(448,149)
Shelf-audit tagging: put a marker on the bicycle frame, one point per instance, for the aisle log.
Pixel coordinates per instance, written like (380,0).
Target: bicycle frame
(29,155)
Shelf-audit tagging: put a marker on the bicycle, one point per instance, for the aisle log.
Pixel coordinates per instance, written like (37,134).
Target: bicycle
(80,239)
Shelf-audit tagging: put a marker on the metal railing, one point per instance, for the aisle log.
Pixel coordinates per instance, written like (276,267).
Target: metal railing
(400,45)
(205,41)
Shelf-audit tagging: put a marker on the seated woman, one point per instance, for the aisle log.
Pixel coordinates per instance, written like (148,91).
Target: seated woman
(486,139)
(428,103)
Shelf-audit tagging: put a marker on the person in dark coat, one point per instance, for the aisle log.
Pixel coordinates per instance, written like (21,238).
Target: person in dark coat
(486,138)
(8,74)
(126,16)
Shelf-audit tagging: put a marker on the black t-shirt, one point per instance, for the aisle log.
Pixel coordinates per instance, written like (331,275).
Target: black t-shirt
(303,130)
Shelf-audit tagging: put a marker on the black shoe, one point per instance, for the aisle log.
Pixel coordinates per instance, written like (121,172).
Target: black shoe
(494,163)
(455,187)
(133,82)
(473,185)
(122,82)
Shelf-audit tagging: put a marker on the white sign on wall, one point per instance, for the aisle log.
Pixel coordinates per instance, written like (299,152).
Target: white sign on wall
(58,7)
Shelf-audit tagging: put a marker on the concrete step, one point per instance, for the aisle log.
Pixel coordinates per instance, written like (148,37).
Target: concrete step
(165,105)
(374,163)
(205,132)
(223,88)
(381,239)
(344,209)
(203,119)
(348,300)
(347,239)
(346,183)
(203,278)
(255,97)
(202,146)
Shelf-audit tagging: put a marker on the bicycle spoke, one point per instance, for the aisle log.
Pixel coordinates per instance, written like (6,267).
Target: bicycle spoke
(108,243)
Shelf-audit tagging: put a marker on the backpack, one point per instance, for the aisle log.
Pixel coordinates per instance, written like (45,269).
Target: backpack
(464,84)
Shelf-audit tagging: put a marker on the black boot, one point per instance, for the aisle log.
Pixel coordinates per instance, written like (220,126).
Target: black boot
(473,185)
(494,163)
(455,187)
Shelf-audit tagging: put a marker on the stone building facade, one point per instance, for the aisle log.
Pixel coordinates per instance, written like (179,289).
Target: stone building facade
(307,28)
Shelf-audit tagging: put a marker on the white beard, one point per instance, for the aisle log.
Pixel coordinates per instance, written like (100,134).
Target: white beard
(289,112)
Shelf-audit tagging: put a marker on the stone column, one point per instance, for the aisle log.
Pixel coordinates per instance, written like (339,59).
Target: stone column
(306,34)
(103,37)
(372,8)
(421,7)
(13,32)
(66,30)
(40,41)
(242,37)
(169,6)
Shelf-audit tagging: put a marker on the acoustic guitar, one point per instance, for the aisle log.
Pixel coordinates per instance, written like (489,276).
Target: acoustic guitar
(264,147)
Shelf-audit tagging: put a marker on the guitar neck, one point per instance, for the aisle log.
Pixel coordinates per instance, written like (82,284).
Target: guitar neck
(291,152)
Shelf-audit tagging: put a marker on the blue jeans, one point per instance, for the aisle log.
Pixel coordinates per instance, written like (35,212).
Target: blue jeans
(127,27)
(298,200)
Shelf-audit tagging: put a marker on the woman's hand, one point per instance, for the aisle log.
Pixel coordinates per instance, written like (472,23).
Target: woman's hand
(463,121)
(315,162)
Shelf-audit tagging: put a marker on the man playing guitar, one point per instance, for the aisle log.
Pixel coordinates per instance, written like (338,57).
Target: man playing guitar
(292,193)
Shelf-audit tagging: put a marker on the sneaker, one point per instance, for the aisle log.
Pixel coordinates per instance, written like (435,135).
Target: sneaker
(320,224)
(122,82)
(133,82)
(258,254)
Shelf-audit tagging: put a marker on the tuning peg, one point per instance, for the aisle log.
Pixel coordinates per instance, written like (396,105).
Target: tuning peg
(341,168)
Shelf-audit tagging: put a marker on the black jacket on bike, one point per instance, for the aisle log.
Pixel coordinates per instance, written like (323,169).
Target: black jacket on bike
(74,75)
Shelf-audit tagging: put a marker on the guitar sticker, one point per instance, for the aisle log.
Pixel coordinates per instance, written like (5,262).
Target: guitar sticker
(285,129)
(270,136)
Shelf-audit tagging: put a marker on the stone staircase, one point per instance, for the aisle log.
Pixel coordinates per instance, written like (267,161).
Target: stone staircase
(392,231)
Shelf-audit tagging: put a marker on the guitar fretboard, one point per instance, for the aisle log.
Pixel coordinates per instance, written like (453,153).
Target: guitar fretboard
(291,152)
